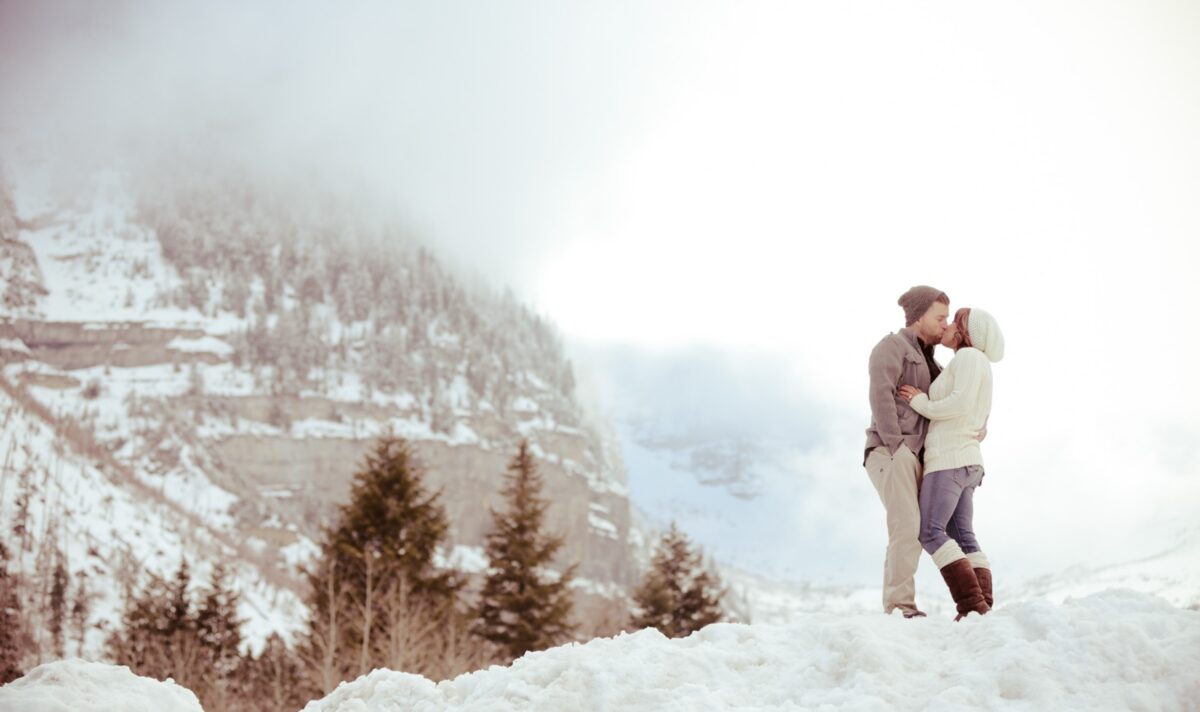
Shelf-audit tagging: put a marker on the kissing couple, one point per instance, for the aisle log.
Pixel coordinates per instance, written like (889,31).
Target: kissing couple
(923,447)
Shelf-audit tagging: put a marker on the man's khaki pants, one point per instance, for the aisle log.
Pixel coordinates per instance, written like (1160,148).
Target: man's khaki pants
(897,479)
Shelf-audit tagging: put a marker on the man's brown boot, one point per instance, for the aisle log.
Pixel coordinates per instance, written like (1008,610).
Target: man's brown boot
(985,584)
(964,588)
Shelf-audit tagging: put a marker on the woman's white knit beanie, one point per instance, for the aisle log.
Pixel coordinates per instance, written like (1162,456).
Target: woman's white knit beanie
(985,334)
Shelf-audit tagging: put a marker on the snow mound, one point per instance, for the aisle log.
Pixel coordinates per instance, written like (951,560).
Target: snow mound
(1113,650)
(82,686)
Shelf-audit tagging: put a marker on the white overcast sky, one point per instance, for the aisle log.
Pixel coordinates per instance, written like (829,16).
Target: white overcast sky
(756,177)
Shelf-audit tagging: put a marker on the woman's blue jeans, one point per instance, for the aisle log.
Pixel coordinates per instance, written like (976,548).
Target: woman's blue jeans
(947,508)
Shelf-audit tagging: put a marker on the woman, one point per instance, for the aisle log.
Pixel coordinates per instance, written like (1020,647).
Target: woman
(957,406)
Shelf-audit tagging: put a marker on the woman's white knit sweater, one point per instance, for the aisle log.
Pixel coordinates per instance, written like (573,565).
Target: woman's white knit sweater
(957,406)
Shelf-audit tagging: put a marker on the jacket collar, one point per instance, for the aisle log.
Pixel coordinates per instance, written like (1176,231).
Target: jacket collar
(912,339)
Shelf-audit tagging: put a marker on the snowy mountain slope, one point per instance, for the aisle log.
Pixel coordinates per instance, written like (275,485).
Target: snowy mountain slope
(1172,574)
(111,530)
(247,418)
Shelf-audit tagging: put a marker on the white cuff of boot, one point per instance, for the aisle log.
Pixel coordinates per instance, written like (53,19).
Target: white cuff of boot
(947,554)
(979,560)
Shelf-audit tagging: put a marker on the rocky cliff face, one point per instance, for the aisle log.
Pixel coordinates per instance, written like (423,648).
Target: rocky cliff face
(240,364)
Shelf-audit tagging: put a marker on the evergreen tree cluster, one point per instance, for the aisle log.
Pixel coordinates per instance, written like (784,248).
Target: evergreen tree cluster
(169,629)
(325,291)
(678,596)
(381,596)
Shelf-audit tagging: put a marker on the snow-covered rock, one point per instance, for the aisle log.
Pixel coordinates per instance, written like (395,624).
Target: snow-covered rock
(1112,650)
(82,686)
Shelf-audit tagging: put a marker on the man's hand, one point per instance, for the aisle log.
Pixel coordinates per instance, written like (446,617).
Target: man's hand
(982,434)
(909,392)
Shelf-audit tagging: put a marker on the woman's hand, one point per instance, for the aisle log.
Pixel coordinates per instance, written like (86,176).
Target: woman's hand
(909,392)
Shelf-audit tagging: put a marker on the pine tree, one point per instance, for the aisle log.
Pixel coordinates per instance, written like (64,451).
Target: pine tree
(157,637)
(218,624)
(58,604)
(522,607)
(678,596)
(273,680)
(164,633)
(135,642)
(15,639)
(179,614)
(81,610)
(385,540)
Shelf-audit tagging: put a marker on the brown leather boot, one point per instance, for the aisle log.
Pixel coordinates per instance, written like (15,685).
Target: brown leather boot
(964,588)
(985,584)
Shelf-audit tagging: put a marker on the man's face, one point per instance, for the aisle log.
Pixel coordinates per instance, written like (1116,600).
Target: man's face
(932,326)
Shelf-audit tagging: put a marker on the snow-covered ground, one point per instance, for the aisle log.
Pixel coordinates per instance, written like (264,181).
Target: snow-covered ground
(762,599)
(1115,650)
(77,685)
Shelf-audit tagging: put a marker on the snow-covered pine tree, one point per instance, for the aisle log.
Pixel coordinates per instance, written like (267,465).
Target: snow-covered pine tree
(523,607)
(679,596)
(384,541)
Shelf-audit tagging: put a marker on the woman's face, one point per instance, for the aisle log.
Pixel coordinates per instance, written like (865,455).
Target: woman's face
(952,338)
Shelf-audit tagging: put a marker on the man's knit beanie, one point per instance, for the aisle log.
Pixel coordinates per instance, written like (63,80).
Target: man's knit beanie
(917,300)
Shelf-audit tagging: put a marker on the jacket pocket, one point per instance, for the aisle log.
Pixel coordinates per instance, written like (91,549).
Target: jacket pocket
(916,371)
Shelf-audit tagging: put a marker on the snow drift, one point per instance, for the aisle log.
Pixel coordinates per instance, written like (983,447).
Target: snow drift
(1111,650)
(1116,650)
(81,686)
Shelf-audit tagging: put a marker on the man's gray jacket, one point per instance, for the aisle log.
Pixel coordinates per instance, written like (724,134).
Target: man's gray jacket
(898,359)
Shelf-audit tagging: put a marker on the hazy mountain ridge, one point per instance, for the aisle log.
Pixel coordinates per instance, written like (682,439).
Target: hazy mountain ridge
(238,362)
(345,294)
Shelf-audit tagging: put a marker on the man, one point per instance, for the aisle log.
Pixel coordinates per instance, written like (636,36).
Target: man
(896,437)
